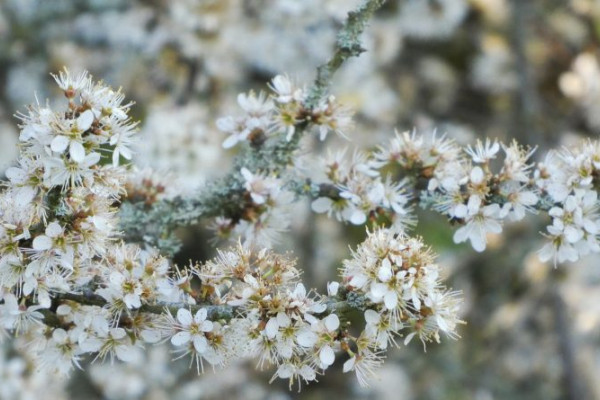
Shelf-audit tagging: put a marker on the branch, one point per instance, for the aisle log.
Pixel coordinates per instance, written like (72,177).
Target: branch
(154,224)
(347,46)
(214,312)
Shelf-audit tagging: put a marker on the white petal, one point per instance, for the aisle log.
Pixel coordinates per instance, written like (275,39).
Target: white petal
(283,319)
(127,353)
(492,210)
(271,328)
(180,338)
(473,204)
(285,371)
(478,242)
(573,234)
(547,252)
(16,175)
(184,316)
(306,338)
(358,281)
(372,317)
(59,144)
(250,280)
(91,345)
(300,291)
(327,356)
(226,124)
(120,114)
(230,142)
(493,226)
(378,290)
(385,273)
(116,157)
(321,205)
(132,300)
(349,365)
(126,153)
(85,120)
(54,230)
(358,217)
(248,176)
(200,315)
(91,159)
(391,300)
(118,333)
(116,278)
(42,243)
(308,373)
(59,336)
(332,288)
(477,175)
(150,336)
(317,308)
(77,152)
(100,325)
(285,350)
(24,195)
(200,343)
(441,323)
(332,322)
(206,326)
(460,211)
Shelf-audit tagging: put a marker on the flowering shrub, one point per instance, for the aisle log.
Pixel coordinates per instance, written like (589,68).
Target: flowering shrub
(87,240)
(74,287)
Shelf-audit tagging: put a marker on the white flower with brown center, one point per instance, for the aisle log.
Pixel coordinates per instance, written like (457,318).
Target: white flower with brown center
(192,329)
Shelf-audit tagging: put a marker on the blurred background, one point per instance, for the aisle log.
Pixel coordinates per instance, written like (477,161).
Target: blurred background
(503,69)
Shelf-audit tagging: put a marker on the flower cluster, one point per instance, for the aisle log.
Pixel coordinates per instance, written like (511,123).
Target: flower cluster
(265,213)
(58,237)
(472,188)
(280,113)
(462,184)
(74,289)
(300,333)
(280,325)
(567,177)
(57,214)
(361,193)
(400,283)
